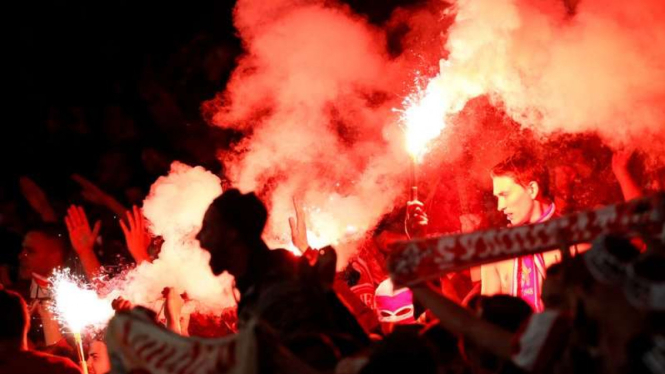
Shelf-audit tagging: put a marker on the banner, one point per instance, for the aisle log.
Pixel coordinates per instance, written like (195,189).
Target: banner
(417,260)
(136,344)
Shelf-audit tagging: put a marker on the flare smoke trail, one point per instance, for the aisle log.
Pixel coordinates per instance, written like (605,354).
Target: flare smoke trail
(313,87)
(599,70)
(174,210)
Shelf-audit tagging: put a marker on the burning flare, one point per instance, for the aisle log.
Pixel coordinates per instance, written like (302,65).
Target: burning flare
(77,305)
(423,120)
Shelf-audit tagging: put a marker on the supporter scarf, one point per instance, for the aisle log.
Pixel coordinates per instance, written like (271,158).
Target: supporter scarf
(529,271)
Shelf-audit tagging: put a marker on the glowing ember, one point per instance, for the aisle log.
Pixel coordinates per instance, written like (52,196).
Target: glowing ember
(423,119)
(77,305)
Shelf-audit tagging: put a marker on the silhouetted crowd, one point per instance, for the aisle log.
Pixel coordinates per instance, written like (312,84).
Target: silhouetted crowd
(596,309)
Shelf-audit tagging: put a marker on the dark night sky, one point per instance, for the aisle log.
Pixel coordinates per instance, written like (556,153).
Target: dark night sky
(73,50)
(77,51)
(90,55)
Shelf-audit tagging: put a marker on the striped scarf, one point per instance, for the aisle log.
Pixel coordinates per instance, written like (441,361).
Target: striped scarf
(529,272)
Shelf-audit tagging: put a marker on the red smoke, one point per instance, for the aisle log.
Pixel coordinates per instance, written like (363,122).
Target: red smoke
(600,70)
(315,89)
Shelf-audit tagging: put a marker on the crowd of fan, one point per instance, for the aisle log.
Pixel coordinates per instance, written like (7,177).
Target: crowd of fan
(603,309)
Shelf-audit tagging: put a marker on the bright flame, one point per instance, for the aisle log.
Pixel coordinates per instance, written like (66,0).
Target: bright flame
(76,304)
(423,119)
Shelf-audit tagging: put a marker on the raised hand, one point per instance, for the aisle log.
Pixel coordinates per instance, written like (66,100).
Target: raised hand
(37,199)
(299,227)
(119,304)
(470,222)
(416,219)
(136,236)
(83,239)
(81,236)
(173,308)
(629,187)
(620,160)
(96,195)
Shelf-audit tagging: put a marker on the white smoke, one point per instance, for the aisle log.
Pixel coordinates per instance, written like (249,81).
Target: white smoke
(174,210)
(599,70)
(312,87)
(315,87)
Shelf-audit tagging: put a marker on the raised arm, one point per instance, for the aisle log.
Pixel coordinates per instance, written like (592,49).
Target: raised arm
(83,239)
(136,235)
(37,199)
(96,195)
(629,187)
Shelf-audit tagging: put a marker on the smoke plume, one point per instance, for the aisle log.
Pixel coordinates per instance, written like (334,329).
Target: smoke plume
(599,70)
(174,210)
(314,90)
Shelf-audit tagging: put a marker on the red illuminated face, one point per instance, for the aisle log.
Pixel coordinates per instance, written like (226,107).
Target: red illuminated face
(514,200)
(98,358)
(40,254)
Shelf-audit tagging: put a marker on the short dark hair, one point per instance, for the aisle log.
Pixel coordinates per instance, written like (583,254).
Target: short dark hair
(525,167)
(14,318)
(244,212)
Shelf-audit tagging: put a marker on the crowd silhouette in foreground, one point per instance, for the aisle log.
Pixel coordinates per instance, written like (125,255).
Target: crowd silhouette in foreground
(597,309)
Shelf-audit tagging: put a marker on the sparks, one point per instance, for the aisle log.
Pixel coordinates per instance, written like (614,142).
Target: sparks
(77,305)
(422,119)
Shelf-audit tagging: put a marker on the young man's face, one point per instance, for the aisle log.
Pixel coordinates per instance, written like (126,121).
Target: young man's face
(98,358)
(515,201)
(40,254)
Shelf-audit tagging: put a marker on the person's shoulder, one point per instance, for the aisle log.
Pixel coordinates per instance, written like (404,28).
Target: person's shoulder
(540,339)
(282,261)
(282,253)
(283,257)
